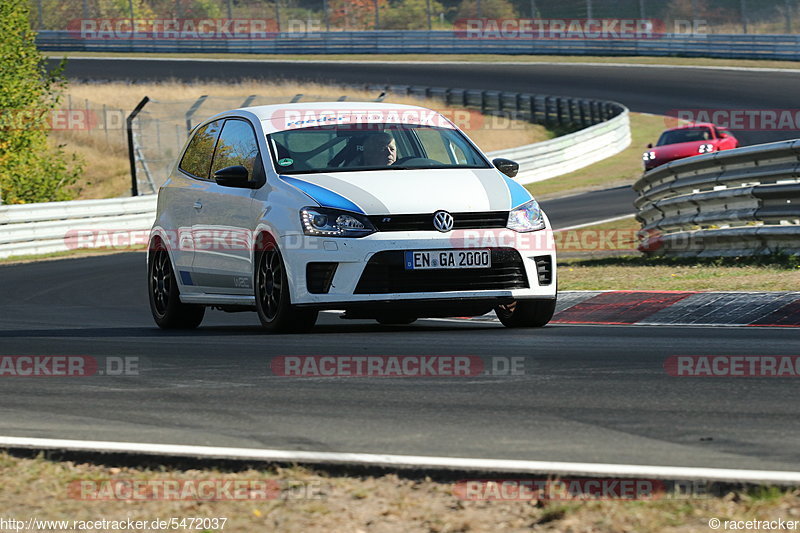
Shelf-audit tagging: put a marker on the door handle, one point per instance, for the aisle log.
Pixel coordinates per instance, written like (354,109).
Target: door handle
(198,205)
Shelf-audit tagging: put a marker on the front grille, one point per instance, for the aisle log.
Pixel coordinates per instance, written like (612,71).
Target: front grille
(319,277)
(385,273)
(424,222)
(544,268)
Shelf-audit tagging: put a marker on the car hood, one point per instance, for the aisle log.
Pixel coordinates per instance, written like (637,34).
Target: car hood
(674,151)
(413,191)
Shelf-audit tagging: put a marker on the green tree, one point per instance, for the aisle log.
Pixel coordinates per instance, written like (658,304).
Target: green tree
(354,14)
(30,171)
(410,15)
(492,9)
(202,9)
(122,9)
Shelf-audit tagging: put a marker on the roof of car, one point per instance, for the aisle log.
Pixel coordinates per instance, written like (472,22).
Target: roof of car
(281,117)
(692,125)
(265,112)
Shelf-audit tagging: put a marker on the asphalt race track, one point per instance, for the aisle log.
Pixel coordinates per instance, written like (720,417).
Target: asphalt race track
(588,207)
(588,393)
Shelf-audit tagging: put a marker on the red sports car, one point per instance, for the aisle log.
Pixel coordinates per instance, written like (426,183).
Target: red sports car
(687,141)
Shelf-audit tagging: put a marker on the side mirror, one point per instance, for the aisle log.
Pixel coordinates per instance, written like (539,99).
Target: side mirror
(506,166)
(723,135)
(650,145)
(236,176)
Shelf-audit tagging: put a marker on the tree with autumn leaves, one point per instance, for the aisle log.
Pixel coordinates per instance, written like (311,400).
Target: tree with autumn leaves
(31,170)
(355,14)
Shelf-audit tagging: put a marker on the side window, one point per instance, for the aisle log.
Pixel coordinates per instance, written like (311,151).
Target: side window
(197,157)
(237,146)
(434,145)
(403,139)
(458,153)
(459,149)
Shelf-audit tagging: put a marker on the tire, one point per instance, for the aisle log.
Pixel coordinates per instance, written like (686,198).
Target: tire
(526,313)
(164,295)
(273,301)
(396,320)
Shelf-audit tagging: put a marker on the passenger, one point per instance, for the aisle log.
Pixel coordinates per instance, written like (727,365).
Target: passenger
(380,150)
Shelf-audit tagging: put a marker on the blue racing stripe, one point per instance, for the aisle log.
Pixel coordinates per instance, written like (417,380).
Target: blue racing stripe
(324,197)
(519,194)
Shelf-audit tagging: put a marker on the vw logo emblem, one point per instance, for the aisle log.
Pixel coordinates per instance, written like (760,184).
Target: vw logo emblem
(443,221)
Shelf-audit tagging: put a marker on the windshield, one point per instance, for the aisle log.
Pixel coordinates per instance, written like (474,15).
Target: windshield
(355,147)
(685,135)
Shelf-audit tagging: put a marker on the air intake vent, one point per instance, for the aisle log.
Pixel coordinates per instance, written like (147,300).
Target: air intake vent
(544,268)
(319,277)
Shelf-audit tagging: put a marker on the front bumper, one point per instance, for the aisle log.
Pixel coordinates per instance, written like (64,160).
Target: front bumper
(352,256)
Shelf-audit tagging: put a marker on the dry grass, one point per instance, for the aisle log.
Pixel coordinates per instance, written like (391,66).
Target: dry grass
(629,273)
(609,271)
(67,254)
(481,58)
(107,172)
(39,488)
(621,169)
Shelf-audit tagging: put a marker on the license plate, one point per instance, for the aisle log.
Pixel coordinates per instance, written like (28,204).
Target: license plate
(447,259)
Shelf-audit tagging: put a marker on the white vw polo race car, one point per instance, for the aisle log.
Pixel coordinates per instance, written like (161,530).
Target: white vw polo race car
(387,212)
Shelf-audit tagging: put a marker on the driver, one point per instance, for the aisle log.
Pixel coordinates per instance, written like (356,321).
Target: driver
(379,150)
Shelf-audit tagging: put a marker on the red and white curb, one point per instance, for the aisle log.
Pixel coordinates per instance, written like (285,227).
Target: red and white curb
(676,308)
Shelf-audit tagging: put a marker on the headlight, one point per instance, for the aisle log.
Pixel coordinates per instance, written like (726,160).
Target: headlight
(648,156)
(527,217)
(326,222)
(705,148)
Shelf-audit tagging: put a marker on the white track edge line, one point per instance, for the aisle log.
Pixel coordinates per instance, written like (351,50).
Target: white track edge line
(387,460)
(594,223)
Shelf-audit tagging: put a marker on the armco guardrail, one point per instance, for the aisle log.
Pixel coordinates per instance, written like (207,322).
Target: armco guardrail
(740,46)
(57,226)
(731,203)
(544,160)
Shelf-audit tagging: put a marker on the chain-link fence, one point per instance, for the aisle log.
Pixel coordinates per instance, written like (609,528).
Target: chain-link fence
(89,123)
(713,16)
